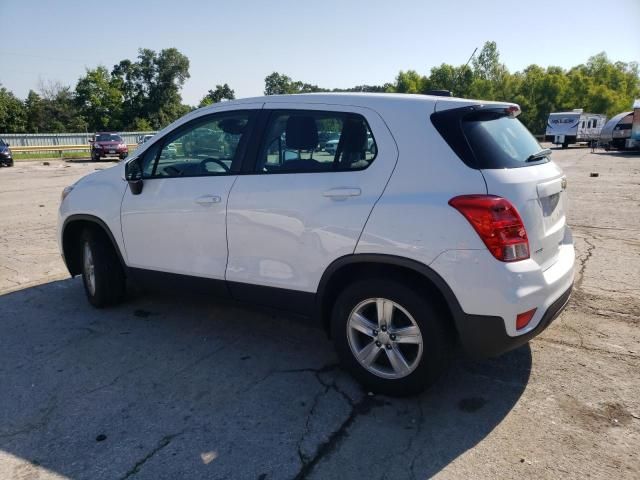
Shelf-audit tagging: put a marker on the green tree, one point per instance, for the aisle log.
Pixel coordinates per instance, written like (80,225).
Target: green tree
(59,109)
(99,99)
(280,84)
(221,92)
(409,82)
(366,88)
(34,108)
(151,86)
(12,113)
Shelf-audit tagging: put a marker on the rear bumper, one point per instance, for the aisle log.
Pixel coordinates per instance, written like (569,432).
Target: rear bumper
(484,336)
(490,294)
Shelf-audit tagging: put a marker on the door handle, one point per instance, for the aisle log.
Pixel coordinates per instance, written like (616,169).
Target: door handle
(342,193)
(208,200)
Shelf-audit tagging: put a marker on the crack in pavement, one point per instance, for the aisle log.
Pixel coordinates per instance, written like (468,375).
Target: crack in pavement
(357,409)
(113,382)
(205,357)
(621,356)
(37,425)
(166,440)
(412,465)
(584,307)
(316,399)
(583,262)
(604,228)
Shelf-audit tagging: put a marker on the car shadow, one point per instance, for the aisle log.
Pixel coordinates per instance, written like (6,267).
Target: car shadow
(183,387)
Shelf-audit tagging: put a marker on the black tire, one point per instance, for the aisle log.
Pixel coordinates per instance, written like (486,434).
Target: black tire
(436,341)
(565,145)
(109,279)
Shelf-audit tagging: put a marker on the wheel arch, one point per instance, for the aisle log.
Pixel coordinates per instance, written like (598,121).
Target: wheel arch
(348,268)
(71,233)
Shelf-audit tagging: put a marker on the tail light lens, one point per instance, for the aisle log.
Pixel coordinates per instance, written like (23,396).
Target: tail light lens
(498,224)
(523,319)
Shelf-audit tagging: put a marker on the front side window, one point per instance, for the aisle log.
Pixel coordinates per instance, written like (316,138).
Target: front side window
(205,147)
(313,141)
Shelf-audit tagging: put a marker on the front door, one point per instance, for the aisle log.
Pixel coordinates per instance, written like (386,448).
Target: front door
(177,223)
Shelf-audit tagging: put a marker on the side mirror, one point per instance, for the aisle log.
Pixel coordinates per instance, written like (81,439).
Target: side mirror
(133,174)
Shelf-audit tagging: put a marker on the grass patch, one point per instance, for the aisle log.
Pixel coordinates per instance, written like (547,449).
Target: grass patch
(42,155)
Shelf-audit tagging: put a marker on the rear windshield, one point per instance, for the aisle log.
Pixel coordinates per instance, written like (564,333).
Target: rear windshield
(485,138)
(500,142)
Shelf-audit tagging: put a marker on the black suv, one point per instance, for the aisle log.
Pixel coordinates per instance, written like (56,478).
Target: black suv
(6,159)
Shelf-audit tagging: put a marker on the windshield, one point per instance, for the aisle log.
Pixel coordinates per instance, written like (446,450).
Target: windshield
(108,138)
(2,142)
(500,141)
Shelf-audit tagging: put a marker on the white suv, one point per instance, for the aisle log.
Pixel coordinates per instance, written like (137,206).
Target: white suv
(449,228)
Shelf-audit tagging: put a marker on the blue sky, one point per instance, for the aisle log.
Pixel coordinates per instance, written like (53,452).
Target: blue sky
(328,43)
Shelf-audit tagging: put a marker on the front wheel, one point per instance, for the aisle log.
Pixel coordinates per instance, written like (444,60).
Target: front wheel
(390,337)
(102,273)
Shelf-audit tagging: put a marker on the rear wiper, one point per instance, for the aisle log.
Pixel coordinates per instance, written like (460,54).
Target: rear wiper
(545,152)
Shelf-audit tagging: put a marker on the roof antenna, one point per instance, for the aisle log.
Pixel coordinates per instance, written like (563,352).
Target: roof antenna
(466,65)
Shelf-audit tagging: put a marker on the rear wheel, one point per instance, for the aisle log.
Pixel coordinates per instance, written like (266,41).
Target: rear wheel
(102,274)
(389,337)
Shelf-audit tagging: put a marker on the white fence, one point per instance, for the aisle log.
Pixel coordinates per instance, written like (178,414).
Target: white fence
(55,139)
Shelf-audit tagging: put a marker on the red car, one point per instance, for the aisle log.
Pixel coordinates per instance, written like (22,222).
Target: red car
(106,144)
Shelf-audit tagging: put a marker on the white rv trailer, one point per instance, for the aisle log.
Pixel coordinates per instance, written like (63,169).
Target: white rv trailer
(565,128)
(616,132)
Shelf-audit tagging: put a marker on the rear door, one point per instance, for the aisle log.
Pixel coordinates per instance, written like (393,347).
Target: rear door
(301,205)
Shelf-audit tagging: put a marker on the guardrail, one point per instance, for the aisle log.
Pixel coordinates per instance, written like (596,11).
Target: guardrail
(61,139)
(60,149)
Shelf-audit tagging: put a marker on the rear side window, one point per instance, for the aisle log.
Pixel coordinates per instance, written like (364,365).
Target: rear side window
(302,141)
(486,139)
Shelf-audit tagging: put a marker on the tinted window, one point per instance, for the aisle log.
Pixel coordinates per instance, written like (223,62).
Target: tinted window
(205,147)
(312,141)
(500,141)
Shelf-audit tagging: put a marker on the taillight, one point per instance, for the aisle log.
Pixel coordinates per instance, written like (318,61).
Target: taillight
(498,224)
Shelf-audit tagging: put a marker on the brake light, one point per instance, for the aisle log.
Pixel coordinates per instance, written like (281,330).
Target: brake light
(498,224)
(512,111)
